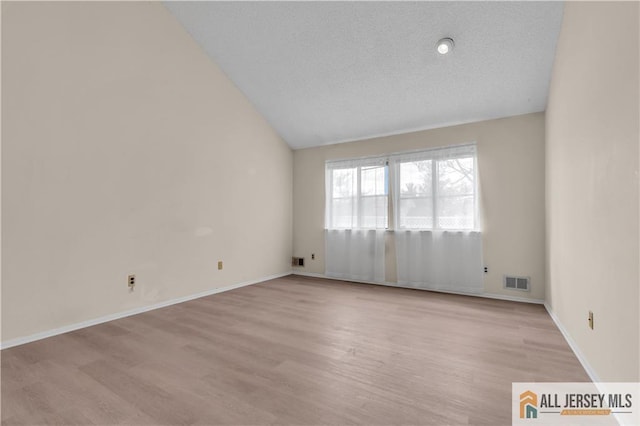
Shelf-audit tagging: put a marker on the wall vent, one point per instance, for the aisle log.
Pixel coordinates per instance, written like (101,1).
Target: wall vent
(297,261)
(517,283)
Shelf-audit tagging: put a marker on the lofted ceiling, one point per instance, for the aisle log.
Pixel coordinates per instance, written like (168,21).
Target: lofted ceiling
(330,72)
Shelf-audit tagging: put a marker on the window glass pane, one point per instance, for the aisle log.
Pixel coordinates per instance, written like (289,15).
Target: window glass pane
(374,211)
(456,202)
(344,182)
(357,197)
(415,178)
(373,180)
(455,177)
(456,212)
(416,213)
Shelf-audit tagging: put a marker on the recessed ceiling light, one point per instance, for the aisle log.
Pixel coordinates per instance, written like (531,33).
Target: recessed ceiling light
(444,46)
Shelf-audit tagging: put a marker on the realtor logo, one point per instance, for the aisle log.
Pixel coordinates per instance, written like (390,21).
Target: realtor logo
(557,404)
(528,405)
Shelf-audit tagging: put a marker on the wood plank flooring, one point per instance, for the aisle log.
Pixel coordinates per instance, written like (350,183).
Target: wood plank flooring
(293,350)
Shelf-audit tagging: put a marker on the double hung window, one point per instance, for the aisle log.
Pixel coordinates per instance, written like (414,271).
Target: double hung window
(434,189)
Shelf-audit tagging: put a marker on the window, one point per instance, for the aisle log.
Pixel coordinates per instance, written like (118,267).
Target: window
(433,189)
(357,194)
(436,189)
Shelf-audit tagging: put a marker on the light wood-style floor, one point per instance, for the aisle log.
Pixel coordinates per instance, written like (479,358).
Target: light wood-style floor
(293,350)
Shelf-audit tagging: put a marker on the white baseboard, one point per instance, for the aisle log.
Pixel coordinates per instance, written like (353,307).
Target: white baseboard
(76,326)
(572,344)
(391,284)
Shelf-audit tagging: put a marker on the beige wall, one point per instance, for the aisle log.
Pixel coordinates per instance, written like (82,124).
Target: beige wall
(511,172)
(126,150)
(592,185)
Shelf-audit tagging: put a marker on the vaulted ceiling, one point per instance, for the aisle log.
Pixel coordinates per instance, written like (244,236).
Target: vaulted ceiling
(330,72)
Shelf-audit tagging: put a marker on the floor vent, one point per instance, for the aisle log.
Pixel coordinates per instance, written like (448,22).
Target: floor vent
(517,283)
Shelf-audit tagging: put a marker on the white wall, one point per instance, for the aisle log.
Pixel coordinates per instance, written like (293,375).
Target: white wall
(511,173)
(592,185)
(126,150)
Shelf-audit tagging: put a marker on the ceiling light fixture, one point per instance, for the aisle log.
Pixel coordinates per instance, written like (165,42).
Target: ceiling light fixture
(444,45)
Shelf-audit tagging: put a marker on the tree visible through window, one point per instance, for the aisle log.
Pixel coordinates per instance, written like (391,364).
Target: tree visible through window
(433,189)
(437,194)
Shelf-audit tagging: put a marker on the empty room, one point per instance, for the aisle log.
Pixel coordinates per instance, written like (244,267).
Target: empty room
(320,213)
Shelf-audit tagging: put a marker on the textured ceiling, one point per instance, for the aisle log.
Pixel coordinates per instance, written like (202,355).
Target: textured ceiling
(329,72)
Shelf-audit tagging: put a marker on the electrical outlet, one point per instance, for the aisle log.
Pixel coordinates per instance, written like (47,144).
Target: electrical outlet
(591,320)
(486,269)
(131,281)
(313,256)
(219,264)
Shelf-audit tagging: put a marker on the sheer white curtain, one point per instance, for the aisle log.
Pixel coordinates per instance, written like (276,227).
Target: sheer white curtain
(355,254)
(440,260)
(438,244)
(356,217)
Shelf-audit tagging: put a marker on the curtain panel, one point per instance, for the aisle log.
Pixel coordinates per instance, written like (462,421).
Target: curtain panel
(440,260)
(355,254)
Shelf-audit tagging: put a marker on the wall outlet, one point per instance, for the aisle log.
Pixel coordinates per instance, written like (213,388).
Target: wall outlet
(219,264)
(131,281)
(297,261)
(313,256)
(591,320)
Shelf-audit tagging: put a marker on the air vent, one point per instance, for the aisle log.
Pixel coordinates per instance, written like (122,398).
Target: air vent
(517,283)
(297,261)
